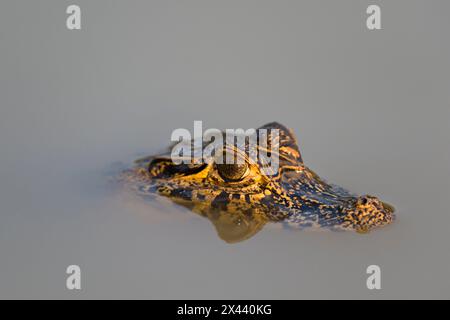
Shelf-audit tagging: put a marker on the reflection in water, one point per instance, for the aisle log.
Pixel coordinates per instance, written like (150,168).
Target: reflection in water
(232,227)
(238,226)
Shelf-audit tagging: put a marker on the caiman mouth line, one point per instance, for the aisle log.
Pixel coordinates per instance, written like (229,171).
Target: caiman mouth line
(240,199)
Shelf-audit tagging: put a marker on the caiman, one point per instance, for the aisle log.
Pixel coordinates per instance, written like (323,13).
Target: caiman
(239,199)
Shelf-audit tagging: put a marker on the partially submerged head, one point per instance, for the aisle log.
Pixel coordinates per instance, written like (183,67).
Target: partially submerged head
(243,192)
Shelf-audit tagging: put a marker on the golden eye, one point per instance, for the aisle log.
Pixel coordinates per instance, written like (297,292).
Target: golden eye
(232,172)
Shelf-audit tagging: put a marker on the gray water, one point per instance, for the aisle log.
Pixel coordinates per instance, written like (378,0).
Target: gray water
(371,111)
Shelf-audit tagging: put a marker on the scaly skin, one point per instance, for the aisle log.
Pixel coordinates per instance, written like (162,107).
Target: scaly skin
(295,196)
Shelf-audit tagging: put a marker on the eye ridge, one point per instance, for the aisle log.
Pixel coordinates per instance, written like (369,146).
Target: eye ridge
(232,172)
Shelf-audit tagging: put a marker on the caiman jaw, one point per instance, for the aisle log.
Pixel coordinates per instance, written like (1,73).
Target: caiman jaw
(315,203)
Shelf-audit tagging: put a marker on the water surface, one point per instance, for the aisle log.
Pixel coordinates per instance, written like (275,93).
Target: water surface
(371,112)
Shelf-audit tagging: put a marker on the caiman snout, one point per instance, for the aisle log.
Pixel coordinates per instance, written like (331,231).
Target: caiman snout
(370,212)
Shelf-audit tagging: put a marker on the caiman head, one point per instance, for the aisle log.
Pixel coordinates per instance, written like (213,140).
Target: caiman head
(240,198)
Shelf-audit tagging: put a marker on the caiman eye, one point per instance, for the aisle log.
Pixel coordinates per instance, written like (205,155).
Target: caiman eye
(232,172)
